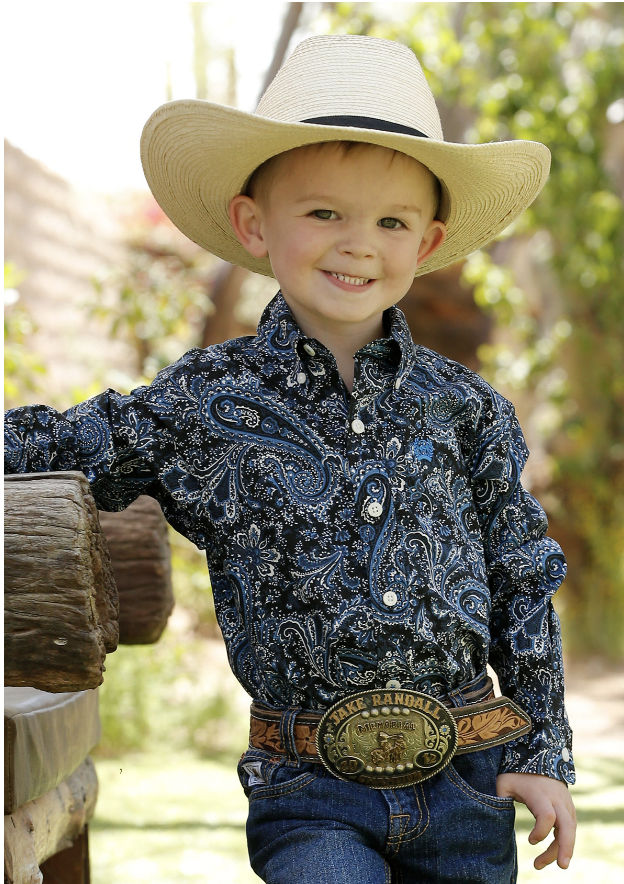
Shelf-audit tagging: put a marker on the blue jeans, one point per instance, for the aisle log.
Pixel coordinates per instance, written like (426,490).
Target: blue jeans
(307,827)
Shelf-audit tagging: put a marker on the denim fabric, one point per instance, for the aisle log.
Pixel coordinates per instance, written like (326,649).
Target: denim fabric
(307,827)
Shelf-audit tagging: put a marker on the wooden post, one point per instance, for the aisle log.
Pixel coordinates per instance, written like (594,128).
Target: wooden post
(139,547)
(47,825)
(61,604)
(69,866)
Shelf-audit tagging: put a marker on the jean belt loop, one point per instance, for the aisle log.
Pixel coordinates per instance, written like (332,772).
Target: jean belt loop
(479,681)
(287,732)
(457,698)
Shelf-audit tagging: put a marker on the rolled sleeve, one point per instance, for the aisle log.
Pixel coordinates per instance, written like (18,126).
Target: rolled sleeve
(126,445)
(106,438)
(525,569)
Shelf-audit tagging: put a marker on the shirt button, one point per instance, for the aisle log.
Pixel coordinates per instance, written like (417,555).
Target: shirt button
(565,754)
(357,426)
(398,383)
(309,350)
(301,377)
(374,509)
(393,684)
(390,598)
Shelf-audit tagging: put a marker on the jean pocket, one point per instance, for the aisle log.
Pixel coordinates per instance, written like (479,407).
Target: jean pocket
(475,774)
(284,778)
(264,776)
(254,770)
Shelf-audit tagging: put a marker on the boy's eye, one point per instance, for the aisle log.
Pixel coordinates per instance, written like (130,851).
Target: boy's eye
(390,223)
(323,214)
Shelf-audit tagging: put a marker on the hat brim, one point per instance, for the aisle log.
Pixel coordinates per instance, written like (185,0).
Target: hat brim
(197,156)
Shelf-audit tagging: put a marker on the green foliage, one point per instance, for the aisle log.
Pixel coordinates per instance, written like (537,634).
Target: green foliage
(548,72)
(131,676)
(170,694)
(526,354)
(158,300)
(23,370)
(215,729)
(166,694)
(192,587)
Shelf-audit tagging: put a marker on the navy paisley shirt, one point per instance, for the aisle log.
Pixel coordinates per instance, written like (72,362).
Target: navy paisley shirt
(351,539)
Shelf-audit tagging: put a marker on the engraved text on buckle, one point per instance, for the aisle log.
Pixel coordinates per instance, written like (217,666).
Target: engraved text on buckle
(386,739)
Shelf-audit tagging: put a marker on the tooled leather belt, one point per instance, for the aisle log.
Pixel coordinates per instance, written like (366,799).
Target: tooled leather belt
(389,738)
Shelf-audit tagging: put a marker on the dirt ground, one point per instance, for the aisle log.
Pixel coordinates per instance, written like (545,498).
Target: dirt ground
(595,704)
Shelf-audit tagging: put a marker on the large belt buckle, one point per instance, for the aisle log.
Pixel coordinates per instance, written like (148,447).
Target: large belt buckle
(386,739)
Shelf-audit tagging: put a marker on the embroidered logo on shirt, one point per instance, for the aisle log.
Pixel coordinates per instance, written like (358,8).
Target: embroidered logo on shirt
(422,450)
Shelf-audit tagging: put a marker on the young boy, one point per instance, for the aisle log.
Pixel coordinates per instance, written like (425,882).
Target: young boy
(370,545)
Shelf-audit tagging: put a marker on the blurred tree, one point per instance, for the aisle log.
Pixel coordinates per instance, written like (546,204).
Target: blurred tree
(550,72)
(158,298)
(201,52)
(226,291)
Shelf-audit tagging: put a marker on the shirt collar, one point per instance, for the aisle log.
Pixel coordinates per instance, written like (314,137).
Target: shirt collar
(279,331)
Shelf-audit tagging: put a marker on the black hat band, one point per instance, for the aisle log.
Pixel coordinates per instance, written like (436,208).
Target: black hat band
(366,123)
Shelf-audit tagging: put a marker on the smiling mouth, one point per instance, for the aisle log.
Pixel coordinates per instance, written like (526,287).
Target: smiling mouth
(351,280)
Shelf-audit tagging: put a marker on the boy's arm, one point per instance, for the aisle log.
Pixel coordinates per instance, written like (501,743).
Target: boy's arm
(525,568)
(143,443)
(103,437)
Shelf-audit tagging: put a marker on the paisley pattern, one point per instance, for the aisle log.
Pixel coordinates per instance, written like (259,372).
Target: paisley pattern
(351,539)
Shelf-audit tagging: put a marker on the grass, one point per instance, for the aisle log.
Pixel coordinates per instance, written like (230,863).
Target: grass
(175,818)
(168,819)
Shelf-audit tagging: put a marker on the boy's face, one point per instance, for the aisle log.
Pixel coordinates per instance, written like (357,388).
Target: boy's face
(323,214)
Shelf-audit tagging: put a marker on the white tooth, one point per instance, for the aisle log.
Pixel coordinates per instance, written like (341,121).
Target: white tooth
(352,280)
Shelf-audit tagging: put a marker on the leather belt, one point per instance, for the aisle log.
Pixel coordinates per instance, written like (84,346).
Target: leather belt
(388,738)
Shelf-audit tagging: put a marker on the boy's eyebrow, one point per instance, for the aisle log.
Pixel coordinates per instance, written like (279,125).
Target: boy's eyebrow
(402,208)
(314,197)
(323,198)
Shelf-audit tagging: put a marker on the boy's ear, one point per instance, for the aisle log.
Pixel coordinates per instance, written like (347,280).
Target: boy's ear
(433,237)
(245,218)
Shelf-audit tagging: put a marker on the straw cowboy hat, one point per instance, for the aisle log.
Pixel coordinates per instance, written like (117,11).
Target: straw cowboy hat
(198,155)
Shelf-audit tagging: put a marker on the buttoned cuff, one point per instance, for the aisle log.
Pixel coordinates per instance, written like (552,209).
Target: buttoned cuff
(549,754)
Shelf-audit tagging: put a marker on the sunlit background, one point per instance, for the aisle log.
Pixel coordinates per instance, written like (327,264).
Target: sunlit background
(83,78)
(101,290)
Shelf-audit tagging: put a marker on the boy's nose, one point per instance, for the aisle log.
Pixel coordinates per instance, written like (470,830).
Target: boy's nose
(357,251)
(358,245)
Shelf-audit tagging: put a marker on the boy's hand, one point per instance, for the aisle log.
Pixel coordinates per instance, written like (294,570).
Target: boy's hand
(550,803)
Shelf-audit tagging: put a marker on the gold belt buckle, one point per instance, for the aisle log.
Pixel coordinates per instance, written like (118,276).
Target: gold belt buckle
(386,739)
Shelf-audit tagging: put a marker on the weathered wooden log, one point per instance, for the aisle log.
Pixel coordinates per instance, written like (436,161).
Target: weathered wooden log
(61,605)
(71,865)
(43,827)
(139,547)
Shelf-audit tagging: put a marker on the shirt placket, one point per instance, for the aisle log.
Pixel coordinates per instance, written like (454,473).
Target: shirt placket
(362,423)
